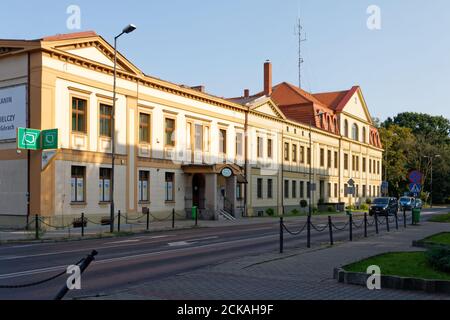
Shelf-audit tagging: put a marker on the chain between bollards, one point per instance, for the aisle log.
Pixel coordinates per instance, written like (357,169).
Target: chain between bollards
(388,228)
(330,228)
(281,236)
(404,218)
(82,224)
(351,226)
(309,232)
(396,221)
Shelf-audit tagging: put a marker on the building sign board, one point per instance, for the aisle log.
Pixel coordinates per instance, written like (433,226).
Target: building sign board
(13,106)
(29,139)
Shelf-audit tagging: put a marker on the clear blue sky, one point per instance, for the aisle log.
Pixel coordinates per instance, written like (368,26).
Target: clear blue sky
(405,66)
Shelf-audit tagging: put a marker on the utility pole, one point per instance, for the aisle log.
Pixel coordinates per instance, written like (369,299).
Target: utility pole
(299,34)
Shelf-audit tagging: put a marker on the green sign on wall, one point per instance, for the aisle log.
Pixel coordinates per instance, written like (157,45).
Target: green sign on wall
(29,139)
(32,139)
(50,139)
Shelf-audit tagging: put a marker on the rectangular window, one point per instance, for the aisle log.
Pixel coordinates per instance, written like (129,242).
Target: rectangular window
(364,164)
(378,167)
(144,128)
(364,191)
(322,189)
(353,163)
(170,132)
(105,120)
(302,155)
(345,161)
(309,156)
(170,186)
(294,153)
(286,151)
(78,184)
(308,190)
(144,186)
(270,148)
(79,109)
(260,143)
(270,188)
(239,191)
(104,185)
(302,189)
(222,141)
(329,159)
(345,190)
(294,189)
(336,159)
(370,166)
(357,163)
(239,144)
(198,138)
(322,157)
(260,188)
(336,190)
(286,189)
(206,139)
(330,190)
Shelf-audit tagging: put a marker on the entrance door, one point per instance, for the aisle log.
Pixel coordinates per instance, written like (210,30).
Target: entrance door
(198,191)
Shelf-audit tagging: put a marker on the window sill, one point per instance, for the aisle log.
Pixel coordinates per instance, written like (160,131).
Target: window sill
(78,204)
(104,203)
(170,202)
(144,202)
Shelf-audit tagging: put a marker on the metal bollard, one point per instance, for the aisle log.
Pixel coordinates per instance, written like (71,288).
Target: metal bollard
(281,236)
(351,227)
(404,218)
(309,232)
(84,265)
(396,221)
(148,221)
(118,222)
(330,228)
(365,225)
(173,219)
(196,217)
(82,224)
(36,232)
(376,223)
(387,223)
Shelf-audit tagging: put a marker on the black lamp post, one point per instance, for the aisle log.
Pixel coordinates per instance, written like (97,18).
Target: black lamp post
(431,179)
(128,29)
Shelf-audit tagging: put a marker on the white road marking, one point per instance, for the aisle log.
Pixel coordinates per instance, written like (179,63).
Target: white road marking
(190,242)
(131,257)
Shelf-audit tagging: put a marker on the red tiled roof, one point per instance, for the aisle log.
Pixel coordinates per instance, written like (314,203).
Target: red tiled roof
(68,36)
(336,100)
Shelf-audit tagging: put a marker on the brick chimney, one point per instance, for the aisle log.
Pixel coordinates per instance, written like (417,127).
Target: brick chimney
(246,93)
(268,78)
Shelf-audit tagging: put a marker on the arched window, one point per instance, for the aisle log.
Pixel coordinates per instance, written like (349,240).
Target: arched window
(346,128)
(336,130)
(364,135)
(355,132)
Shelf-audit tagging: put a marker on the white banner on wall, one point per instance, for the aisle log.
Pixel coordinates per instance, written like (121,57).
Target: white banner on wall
(13,110)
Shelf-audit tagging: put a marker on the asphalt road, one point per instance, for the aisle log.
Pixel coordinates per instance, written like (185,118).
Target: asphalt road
(123,262)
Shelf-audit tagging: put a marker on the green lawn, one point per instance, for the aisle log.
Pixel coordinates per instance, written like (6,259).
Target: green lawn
(403,264)
(441,238)
(443,218)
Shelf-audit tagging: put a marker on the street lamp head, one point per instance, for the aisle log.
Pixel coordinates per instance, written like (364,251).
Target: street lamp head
(129,28)
(437,156)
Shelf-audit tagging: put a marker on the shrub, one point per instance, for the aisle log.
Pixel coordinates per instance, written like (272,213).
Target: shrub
(330,209)
(303,203)
(315,210)
(364,207)
(368,201)
(352,207)
(439,259)
(321,201)
(295,212)
(270,212)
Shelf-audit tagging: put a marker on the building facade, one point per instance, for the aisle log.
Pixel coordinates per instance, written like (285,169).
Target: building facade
(176,146)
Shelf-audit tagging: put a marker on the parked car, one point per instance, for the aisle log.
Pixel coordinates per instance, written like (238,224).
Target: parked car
(418,204)
(384,206)
(407,203)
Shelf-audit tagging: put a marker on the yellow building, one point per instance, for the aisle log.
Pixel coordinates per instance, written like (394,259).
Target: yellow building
(176,146)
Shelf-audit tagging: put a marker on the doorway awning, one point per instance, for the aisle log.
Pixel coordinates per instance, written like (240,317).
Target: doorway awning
(215,169)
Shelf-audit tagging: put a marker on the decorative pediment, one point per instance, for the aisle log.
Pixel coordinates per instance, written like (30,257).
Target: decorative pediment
(268,107)
(356,106)
(96,50)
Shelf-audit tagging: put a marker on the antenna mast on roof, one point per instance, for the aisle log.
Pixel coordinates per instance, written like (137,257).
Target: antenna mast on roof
(299,33)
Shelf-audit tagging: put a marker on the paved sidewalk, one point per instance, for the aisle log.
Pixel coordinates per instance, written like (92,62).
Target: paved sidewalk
(300,275)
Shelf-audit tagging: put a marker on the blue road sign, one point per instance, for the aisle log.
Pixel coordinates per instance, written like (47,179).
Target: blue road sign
(415,177)
(415,188)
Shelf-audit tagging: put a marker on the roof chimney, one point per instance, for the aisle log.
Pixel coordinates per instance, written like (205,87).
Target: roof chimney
(268,78)
(246,93)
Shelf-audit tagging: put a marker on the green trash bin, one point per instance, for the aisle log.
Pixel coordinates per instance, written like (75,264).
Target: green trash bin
(194,213)
(416,215)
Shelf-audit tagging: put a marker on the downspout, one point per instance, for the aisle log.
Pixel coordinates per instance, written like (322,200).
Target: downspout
(28,151)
